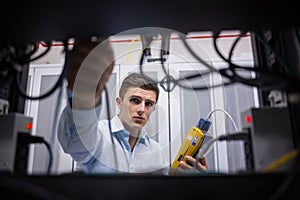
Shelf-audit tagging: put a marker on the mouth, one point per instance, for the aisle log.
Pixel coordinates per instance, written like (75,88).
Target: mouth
(138,119)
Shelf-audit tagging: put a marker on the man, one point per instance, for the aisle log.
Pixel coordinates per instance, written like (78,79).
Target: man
(118,145)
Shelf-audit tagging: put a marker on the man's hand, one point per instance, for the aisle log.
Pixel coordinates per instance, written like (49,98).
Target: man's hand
(189,164)
(90,65)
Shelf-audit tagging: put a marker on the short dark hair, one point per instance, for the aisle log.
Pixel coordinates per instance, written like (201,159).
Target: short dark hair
(138,80)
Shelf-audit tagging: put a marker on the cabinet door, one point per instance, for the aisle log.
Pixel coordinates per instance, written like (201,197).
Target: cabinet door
(46,112)
(237,98)
(188,105)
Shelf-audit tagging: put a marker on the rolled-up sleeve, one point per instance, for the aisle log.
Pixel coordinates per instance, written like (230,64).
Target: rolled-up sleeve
(77,132)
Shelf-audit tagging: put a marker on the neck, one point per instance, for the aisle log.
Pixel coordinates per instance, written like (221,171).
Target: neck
(133,137)
(132,142)
(134,134)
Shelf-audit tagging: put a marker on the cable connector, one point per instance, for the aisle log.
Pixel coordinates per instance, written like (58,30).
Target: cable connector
(25,139)
(204,125)
(4,106)
(146,39)
(29,139)
(235,136)
(244,136)
(165,45)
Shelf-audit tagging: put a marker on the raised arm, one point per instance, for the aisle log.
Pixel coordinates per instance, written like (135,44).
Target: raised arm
(90,65)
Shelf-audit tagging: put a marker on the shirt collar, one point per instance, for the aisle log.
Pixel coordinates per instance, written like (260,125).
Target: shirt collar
(117,126)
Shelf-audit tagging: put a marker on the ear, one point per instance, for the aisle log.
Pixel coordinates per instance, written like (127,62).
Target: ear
(119,102)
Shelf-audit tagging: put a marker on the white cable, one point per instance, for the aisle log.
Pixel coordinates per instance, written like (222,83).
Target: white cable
(207,146)
(218,109)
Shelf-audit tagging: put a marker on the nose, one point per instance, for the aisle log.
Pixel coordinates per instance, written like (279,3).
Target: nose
(141,108)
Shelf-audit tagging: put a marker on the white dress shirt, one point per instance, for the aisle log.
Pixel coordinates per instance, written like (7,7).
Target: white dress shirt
(89,142)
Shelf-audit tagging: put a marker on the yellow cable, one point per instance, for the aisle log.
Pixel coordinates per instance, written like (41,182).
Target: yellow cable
(282,160)
(136,39)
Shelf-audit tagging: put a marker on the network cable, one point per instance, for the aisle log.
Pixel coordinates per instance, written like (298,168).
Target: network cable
(33,139)
(110,129)
(224,111)
(56,85)
(264,79)
(239,136)
(209,144)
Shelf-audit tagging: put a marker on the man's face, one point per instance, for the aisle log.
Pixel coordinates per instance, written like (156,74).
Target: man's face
(136,108)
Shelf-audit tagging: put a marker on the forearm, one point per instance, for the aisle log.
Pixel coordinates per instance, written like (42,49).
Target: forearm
(88,72)
(85,101)
(78,134)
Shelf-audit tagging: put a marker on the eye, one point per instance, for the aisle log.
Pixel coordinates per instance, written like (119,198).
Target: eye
(135,100)
(149,103)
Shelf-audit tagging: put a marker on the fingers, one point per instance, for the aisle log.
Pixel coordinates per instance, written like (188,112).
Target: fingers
(203,162)
(189,163)
(184,165)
